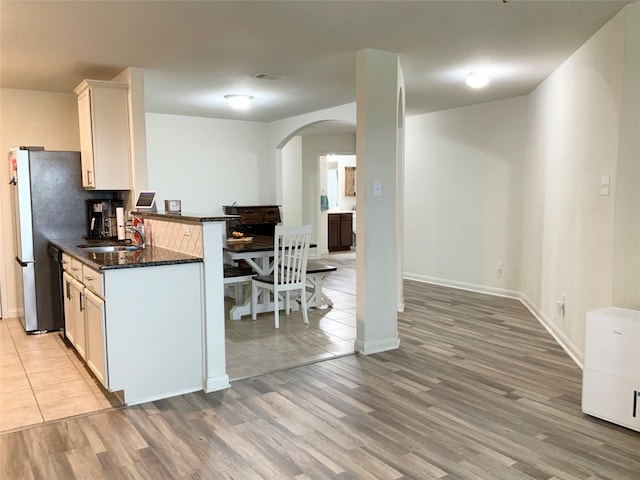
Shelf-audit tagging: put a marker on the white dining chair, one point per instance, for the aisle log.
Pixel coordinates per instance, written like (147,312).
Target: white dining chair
(290,254)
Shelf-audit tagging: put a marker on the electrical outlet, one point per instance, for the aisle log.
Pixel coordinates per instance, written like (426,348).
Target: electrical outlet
(499,269)
(562,305)
(187,230)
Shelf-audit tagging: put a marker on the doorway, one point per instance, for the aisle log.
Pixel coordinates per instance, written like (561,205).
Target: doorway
(337,204)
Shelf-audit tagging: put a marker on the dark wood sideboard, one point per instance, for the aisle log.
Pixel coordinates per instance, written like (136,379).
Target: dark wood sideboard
(255,219)
(340,231)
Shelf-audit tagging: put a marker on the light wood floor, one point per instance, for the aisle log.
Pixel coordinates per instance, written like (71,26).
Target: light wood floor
(477,390)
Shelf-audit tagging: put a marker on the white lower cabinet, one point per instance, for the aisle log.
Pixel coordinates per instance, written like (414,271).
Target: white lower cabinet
(69,310)
(144,344)
(74,314)
(94,318)
(85,319)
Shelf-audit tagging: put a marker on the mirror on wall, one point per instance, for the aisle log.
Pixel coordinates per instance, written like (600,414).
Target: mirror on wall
(332,183)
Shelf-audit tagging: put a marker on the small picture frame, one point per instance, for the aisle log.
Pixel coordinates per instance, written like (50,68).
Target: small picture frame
(173,206)
(349,181)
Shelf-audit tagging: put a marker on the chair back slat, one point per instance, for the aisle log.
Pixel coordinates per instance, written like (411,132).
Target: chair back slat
(291,252)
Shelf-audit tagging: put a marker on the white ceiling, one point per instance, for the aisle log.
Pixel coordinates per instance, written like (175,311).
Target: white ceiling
(194,53)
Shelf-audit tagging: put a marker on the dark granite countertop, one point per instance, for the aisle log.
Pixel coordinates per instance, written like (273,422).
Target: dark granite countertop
(186,217)
(148,256)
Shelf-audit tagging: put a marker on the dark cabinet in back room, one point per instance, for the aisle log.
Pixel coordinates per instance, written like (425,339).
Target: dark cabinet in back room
(340,231)
(254,219)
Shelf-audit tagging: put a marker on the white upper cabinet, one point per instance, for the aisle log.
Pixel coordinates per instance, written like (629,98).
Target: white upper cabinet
(103,112)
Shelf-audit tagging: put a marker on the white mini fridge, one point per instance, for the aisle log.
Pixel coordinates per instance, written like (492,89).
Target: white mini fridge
(611,374)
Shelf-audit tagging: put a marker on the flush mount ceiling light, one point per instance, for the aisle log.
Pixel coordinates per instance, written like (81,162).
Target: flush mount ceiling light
(477,79)
(268,76)
(239,102)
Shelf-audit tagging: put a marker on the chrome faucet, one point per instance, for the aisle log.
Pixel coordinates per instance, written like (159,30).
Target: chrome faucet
(140,231)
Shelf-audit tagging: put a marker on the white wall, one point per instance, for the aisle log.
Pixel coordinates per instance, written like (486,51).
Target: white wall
(463,204)
(291,209)
(575,127)
(29,118)
(208,163)
(626,249)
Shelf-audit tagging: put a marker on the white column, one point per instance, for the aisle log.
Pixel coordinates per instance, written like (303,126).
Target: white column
(400,196)
(215,366)
(378,92)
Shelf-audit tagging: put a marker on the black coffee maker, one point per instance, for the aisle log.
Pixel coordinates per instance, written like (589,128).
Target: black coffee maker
(102,218)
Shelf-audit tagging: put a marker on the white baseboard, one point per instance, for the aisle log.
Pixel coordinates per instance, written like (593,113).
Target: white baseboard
(13,313)
(213,384)
(472,287)
(549,326)
(153,398)
(377,346)
(559,336)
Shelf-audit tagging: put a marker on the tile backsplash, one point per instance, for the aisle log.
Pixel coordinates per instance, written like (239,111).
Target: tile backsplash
(176,236)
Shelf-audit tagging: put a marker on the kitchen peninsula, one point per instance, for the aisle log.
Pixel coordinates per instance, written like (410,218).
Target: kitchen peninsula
(163,308)
(201,236)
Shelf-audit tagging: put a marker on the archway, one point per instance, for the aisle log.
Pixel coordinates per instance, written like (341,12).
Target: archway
(301,175)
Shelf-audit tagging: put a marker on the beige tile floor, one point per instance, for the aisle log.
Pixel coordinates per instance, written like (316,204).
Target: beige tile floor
(256,347)
(42,380)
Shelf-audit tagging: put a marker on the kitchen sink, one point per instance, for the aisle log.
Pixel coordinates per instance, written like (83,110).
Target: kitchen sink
(109,248)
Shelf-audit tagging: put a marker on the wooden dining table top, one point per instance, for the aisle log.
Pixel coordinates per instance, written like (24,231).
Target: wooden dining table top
(260,243)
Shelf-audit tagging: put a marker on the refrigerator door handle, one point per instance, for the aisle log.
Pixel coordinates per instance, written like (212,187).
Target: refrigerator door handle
(21,263)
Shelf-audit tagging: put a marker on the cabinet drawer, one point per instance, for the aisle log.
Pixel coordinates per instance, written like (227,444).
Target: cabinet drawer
(250,215)
(66,263)
(93,280)
(75,268)
(271,215)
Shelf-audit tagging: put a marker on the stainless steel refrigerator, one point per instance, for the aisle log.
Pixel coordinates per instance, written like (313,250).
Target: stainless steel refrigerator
(48,203)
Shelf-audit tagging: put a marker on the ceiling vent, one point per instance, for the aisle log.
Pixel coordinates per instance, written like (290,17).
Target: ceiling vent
(268,76)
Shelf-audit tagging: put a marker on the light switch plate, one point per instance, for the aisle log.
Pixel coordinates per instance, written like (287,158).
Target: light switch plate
(604,185)
(377,188)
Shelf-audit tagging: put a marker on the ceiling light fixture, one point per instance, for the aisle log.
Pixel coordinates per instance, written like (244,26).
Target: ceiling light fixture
(477,79)
(239,102)
(268,76)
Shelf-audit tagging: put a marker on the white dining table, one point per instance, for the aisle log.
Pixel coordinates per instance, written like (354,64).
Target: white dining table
(258,254)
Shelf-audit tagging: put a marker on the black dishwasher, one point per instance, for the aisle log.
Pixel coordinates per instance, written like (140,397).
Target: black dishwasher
(57,292)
